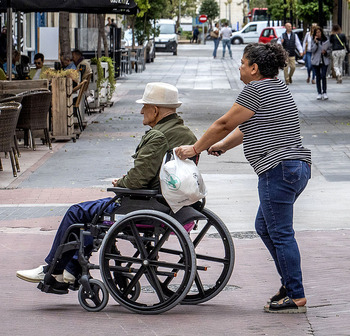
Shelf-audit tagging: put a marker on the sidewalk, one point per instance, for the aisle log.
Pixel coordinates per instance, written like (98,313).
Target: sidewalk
(32,205)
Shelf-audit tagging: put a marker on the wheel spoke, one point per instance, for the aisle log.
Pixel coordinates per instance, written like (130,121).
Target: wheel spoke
(160,243)
(199,284)
(154,281)
(134,281)
(200,236)
(139,243)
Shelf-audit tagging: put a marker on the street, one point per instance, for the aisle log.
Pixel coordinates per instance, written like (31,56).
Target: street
(32,206)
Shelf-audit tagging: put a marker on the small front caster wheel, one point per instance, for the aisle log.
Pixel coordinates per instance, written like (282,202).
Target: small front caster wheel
(98,298)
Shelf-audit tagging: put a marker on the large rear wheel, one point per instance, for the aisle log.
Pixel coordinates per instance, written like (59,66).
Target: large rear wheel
(157,252)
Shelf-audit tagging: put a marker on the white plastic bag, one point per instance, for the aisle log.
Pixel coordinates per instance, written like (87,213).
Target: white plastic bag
(181,182)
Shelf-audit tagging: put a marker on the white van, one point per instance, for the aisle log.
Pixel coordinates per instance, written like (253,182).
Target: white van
(167,39)
(251,32)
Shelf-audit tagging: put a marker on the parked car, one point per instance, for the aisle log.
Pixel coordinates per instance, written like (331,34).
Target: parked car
(168,38)
(269,34)
(250,33)
(272,34)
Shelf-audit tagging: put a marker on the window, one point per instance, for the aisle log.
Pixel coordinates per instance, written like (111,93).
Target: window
(251,28)
(267,33)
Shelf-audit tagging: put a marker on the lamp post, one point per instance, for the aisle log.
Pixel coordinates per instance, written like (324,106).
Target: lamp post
(229,11)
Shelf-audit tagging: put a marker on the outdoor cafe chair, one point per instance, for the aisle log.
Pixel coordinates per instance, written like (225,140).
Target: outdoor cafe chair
(34,115)
(6,98)
(9,113)
(81,88)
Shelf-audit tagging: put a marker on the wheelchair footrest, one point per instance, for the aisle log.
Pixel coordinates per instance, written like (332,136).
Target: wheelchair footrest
(56,287)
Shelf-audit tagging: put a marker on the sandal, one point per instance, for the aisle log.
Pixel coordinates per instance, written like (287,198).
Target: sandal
(282,293)
(287,306)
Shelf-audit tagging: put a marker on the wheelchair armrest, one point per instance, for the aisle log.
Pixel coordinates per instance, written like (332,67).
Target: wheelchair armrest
(134,192)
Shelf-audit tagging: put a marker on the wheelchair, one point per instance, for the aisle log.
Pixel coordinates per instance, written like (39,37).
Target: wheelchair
(150,259)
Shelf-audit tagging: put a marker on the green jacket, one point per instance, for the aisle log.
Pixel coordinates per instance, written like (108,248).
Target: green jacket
(170,132)
(33,72)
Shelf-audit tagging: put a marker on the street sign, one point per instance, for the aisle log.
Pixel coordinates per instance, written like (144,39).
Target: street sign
(203,18)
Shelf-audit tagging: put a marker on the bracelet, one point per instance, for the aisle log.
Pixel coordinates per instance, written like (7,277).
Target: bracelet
(195,150)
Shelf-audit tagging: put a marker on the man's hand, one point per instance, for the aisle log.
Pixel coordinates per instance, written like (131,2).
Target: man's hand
(115,182)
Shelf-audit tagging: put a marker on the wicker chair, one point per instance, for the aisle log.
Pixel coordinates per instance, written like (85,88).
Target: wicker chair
(9,113)
(34,115)
(7,98)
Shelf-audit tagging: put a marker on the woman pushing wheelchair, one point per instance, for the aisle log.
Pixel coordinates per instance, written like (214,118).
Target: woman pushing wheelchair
(265,120)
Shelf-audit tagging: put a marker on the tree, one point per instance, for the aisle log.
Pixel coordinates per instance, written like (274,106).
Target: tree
(304,10)
(64,33)
(211,9)
(102,36)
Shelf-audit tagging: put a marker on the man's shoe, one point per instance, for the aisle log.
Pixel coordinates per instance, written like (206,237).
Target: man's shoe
(68,277)
(319,97)
(325,97)
(33,275)
(308,80)
(290,80)
(313,81)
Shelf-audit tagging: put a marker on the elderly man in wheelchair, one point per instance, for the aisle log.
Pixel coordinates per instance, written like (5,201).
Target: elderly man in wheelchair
(147,259)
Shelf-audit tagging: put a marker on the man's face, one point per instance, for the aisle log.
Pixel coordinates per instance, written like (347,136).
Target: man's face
(38,63)
(149,115)
(65,62)
(75,57)
(288,27)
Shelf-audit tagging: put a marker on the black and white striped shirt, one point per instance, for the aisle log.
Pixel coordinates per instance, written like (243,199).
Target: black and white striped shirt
(273,133)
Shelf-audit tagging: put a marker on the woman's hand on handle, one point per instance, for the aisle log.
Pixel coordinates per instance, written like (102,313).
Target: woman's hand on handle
(217,149)
(184,152)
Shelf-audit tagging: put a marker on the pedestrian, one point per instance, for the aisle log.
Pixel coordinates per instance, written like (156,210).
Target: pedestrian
(321,51)
(340,47)
(308,53)
(195,35)
(225,34)
(265,119)
(215,34)
(290,41)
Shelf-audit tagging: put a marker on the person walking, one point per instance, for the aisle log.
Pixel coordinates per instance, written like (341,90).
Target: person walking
(265,120)
(225,34)
(290,41)
(340,47)
(195,35)
(308,53)
(215,34)
(321,51)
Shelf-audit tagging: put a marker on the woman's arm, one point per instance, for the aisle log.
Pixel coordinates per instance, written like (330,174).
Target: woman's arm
(233,140)
(217,131)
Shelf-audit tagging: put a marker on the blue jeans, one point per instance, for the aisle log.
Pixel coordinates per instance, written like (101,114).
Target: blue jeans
(228,44)
(309,66)
(321,77)
(279,188)
(216,45)
(77,213)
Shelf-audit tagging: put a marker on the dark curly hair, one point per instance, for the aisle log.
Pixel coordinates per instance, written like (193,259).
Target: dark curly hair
(269,57)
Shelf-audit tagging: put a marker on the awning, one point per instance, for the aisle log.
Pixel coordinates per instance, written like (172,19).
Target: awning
(126,7)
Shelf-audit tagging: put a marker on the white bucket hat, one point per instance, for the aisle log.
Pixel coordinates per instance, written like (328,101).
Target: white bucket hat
(160,94)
